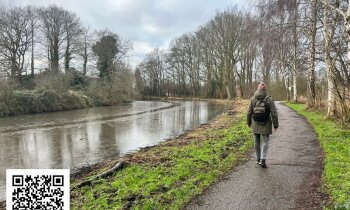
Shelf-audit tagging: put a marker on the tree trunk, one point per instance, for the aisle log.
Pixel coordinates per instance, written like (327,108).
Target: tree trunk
(55,57)
(347,28)
(311,57)
(294,73)
(13,66)
(32,57)
(85,56)
(227,84)
(285,81)
(328,62)
(209,87)
(228,91)
(67,55)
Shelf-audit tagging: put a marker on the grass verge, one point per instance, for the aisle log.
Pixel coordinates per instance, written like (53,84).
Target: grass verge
(169,175)
(335,141)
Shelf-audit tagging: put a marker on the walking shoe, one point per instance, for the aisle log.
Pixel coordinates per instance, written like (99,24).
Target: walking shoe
(258,161)
(262,163)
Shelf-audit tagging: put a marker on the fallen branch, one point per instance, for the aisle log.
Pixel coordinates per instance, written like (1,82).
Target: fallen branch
(117,166)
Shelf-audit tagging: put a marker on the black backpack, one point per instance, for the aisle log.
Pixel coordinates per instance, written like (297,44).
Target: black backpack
(261,111)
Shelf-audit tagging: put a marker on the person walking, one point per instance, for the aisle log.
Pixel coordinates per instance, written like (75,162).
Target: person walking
(261,116)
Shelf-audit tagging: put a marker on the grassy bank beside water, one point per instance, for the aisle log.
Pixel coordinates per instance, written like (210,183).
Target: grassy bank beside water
(38,101)
(56,91)
(335,141)
(169,175)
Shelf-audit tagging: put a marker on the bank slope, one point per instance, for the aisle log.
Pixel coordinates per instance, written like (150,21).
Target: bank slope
(169,175)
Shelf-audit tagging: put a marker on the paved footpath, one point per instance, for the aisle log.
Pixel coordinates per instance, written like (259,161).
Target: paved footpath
(293,157)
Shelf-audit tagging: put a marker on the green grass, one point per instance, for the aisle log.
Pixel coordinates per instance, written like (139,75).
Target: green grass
(183,172)
(335,141)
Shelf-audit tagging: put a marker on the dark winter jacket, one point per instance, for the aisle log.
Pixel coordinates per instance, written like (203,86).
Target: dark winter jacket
(272,119)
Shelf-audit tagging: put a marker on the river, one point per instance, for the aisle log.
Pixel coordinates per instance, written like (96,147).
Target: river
(76,138)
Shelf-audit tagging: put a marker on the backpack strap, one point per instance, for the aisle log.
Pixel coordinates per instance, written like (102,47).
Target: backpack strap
(265,100)
(266,97)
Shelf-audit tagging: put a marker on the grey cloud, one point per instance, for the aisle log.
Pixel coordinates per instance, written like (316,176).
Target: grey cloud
(150,22)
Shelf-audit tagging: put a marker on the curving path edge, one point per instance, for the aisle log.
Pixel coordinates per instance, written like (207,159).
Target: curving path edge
(291,180)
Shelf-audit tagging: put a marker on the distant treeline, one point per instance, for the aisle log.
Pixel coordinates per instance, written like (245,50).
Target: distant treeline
(299,48)
(78,67)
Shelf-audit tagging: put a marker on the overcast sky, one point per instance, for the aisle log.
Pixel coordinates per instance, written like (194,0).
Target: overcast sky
(147,23)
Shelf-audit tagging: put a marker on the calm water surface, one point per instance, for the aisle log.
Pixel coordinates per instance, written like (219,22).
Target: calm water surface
(72,139)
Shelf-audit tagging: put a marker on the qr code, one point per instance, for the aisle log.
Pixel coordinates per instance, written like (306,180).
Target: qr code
(28,189)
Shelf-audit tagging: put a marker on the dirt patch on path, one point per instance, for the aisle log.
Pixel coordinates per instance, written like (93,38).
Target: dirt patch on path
(291,181)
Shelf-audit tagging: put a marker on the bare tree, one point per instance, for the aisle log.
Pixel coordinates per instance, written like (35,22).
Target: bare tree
(185,58)
(176,61)
(207,60)
(33,24)
(285,17)
(337,76)
(15,38)
(54,23)
(85,48)
(73,35)
(224,35)
(311,55)
(248,54)
(295,46)
(328,61)
(153,68)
